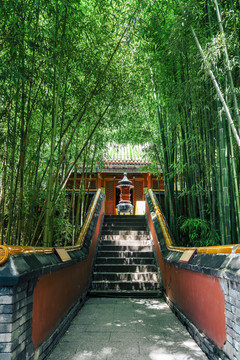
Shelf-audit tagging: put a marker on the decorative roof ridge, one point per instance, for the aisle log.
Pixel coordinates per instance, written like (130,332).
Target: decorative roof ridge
(126,153)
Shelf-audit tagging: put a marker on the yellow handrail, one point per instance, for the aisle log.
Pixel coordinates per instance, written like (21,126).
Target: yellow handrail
(7,250)
(88,220)
(221,249)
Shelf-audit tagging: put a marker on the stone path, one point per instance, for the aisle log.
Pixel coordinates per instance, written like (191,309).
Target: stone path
(126,329)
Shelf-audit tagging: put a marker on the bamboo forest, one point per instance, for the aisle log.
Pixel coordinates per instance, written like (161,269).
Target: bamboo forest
(79,75)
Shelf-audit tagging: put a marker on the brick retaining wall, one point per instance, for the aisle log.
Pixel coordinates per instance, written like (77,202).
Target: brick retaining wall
(16,321)
(231,291)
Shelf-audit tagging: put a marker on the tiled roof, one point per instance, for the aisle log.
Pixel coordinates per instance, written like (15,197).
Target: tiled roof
(131,154)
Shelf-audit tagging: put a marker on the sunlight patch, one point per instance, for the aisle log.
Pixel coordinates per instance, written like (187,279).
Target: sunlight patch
(151,304)
(119,323)
(191,345)
(157,306)
(84,355)
(143,312)
(160,355)
(106,351)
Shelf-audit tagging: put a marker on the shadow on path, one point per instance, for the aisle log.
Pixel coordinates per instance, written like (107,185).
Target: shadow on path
(122,329)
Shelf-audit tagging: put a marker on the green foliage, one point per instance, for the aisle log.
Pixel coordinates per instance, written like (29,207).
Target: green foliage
(197,232)
(78,75)
(62,231)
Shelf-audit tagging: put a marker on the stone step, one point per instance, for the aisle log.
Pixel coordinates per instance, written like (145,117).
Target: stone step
(123,260)
(124,217)
(124,233)
(104,247)
(125,285)
(126,222)
(113,276)
(125,263)
(125,268)
(124,237)
(126,254)
(127,293)
(128,242)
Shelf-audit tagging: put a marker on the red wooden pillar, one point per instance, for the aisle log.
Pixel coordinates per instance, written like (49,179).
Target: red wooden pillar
(149,181)
(109,196)
(99,181)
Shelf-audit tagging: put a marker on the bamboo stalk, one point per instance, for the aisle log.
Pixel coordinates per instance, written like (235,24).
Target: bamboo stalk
(215,83)
(228,65)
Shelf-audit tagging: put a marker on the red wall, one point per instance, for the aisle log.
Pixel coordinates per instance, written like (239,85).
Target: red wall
(198,296)
(55,293)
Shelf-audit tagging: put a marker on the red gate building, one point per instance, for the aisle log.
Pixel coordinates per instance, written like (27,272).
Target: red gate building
(120,159)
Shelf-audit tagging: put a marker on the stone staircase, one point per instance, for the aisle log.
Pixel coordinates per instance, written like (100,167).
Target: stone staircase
(125,263)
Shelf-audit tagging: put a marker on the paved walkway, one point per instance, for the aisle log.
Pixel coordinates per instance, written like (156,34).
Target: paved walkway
(126,329)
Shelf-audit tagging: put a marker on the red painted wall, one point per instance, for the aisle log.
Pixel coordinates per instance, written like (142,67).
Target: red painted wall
(198,296)
(55,293)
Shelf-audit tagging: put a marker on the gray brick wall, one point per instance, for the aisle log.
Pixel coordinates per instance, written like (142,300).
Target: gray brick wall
(231,291)
(16,305)
(16,321)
